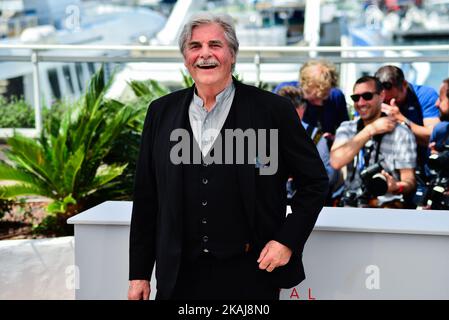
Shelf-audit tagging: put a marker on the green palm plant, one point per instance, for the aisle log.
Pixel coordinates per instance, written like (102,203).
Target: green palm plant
(66,163)
(126,145)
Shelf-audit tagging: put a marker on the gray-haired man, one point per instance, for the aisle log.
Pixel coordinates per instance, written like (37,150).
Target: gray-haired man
(219,231)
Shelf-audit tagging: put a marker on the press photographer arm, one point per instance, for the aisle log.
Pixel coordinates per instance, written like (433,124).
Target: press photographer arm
(405,185)
(343,153)
(422,133)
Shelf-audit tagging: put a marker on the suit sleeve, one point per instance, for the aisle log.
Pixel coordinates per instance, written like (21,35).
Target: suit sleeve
(304,164)
(142,241)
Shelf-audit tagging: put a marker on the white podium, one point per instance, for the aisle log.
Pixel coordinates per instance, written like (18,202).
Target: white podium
(352,254)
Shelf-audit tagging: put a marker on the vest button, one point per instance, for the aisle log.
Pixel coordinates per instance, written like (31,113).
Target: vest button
(204,221)
(205,181)
(204,203)
(205,238)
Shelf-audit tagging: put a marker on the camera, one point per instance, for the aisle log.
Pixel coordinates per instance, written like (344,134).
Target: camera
(374,184)
(436,196)
(374,181)
(440,162)
(350,199)
(439,200)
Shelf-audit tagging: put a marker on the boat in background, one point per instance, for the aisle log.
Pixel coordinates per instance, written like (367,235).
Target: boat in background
(72,22)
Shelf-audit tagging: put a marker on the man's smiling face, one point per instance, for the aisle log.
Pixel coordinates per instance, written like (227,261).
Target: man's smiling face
(208,56)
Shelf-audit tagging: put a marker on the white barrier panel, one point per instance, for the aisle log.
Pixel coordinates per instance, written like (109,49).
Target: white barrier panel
(37,269)
(352,254)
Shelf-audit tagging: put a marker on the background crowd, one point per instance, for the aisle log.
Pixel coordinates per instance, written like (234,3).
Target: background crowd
(391,151)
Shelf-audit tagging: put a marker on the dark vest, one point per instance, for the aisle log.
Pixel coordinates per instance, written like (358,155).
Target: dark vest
(214,220)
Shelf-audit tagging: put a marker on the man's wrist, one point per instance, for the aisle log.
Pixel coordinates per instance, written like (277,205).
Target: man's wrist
(400,188)
(371,131)
(407,122)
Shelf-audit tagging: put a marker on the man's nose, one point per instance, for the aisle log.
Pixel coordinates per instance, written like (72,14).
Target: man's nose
(205,52)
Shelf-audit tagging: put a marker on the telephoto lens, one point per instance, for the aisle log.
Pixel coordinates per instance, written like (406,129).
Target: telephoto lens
(378,185)
(375,182)
(439,161)
(438,200)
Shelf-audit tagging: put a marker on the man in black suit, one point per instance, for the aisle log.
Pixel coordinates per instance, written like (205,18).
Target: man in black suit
(219,230)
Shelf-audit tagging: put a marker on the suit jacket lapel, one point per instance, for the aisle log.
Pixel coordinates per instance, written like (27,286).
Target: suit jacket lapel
(174,173)
(244,119)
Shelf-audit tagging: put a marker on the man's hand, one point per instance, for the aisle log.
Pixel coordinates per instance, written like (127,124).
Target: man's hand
(432,148)
(274,255)
(392,183)
(392,111)
(381,125)
(139,290)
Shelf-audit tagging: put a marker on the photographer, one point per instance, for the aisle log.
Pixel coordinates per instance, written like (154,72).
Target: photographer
(440,134)
(295,95)
(438,191)
(377,144)
(412,105)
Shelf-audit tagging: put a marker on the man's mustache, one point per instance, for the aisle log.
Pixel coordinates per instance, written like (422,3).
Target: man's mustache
(206,63)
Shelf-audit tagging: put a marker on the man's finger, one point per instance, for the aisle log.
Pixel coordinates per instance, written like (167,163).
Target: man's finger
(264,263)
(270,268)
(393,102)
(263,254)
(146,294)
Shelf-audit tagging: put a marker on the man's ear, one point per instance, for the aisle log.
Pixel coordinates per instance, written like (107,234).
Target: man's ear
(382,96)
(404,86)
(234,60)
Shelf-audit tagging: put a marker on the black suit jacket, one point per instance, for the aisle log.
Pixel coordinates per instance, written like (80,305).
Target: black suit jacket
(156,224)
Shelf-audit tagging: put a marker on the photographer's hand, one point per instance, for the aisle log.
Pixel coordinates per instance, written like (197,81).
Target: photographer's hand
(432,148)
(405,185)
(344,152)
(381,125)
(392,111)
(392,183)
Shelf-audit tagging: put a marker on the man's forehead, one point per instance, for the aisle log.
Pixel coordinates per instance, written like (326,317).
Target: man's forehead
(208,27)
(364,85)
(207,40)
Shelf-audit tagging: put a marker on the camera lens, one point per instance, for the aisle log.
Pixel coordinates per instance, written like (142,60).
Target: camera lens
(377,185)
(439,162)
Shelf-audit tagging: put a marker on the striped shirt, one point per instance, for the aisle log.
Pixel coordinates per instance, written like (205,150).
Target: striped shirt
(397,150)
(206,125)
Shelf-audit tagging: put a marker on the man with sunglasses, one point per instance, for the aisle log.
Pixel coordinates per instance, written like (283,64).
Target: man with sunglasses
(390,143)
(411,105)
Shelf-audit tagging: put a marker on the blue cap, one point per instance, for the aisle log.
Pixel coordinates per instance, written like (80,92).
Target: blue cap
(440,135)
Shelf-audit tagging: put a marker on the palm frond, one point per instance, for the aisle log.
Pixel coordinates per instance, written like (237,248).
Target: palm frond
(18,190)
(8,173)
(29,154)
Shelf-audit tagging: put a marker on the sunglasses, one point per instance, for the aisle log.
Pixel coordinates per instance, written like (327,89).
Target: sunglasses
(387,85)
(367,96)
